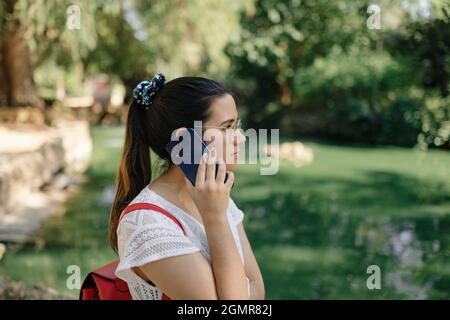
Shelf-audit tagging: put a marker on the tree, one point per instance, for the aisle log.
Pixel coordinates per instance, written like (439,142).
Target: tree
(127,39)
(280,37)
(33,32)
(16,71)
(174,37)
(319,59)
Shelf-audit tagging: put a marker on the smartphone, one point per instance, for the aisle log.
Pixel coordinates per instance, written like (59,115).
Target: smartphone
(197,147)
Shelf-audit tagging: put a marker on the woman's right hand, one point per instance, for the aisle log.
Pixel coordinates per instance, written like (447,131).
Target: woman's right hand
(211,194)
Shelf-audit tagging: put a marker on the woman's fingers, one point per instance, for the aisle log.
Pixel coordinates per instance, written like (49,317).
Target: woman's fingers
(206,171)
(221,172)
(230,180)
(211,167)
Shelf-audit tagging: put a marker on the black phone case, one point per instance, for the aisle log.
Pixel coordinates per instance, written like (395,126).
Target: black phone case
(190,169)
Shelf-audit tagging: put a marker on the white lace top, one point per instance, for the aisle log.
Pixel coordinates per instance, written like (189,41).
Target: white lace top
(144,236)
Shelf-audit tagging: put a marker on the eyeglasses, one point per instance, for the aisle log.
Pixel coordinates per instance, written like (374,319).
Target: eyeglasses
(237,125)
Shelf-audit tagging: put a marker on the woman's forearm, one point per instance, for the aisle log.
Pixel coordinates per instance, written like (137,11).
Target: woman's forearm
(229,272)
(257,291)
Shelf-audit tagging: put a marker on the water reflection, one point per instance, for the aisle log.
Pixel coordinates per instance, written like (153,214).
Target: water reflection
(408,250)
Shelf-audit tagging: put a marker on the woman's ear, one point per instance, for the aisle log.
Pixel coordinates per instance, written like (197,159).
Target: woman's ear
(180,131)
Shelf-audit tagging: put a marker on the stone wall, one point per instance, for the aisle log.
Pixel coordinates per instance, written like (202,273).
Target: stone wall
(31,158)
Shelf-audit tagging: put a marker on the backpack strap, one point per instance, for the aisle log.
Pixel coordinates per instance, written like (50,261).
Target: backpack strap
(102,283)
(150,206)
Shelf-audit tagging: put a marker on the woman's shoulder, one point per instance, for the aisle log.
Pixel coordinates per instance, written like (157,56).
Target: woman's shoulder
(145,195)
(151,229)
(143,218)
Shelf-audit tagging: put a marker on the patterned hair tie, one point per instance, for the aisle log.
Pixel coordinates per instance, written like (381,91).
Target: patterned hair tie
(145,90)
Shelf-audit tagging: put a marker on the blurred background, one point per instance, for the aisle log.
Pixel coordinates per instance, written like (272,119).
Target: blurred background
(359,91)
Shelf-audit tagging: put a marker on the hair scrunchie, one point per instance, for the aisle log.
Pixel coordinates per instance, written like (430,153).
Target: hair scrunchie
(143,93)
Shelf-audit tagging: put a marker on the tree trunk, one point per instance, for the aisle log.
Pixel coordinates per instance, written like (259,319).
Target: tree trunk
(16,72)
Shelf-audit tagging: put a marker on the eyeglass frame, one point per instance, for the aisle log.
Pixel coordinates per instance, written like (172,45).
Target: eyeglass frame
(237,125)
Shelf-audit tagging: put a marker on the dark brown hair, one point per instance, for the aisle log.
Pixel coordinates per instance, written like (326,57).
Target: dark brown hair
(177,104)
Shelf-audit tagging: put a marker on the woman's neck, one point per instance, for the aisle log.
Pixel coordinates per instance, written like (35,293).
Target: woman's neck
(172,186)
(173,180)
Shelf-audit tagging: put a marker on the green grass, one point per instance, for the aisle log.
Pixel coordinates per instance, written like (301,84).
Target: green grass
(314,229)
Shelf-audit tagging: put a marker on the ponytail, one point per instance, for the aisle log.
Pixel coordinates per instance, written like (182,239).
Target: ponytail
(151,120)
(134,171)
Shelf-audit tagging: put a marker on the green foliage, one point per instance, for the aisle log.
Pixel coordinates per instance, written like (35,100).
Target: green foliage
(364,84)
(47,32)
(364,94)
(280,57)
(278,38)
(118,52)
(346,75)
(132,39)
(441,9)
(435,121)
(170,36)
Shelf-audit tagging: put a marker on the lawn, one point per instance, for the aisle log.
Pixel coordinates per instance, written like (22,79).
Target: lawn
(314,229)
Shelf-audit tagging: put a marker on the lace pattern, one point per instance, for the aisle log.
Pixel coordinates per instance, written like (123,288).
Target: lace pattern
(145,236)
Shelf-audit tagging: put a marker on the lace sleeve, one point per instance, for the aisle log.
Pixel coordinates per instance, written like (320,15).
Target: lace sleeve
(237,214)
(145,236)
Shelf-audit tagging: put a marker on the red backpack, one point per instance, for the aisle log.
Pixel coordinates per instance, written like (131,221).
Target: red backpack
(102,283)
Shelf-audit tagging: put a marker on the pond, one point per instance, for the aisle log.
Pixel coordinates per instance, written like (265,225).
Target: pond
(315,230)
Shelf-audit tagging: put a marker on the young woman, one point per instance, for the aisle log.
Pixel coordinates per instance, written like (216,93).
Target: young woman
(214,260)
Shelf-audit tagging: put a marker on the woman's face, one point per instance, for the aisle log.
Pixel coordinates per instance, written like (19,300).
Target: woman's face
(218,133)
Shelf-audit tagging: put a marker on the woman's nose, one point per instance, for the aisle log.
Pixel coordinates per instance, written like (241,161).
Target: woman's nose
(239,137)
